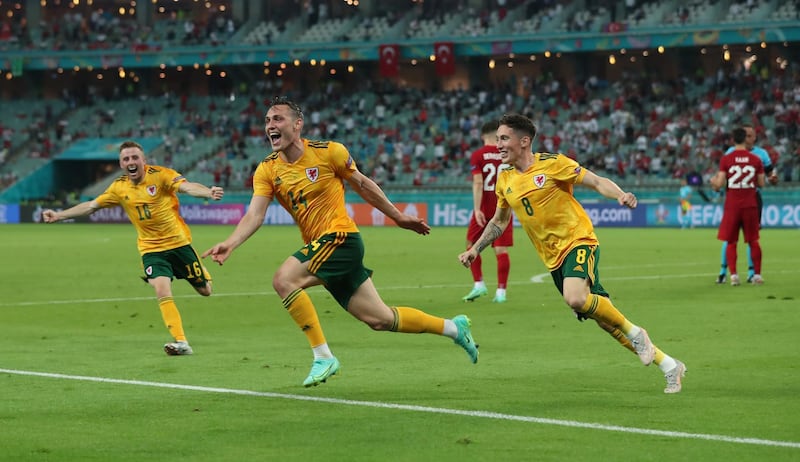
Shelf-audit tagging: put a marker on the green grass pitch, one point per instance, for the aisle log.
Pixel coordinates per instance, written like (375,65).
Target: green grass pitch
(83,376)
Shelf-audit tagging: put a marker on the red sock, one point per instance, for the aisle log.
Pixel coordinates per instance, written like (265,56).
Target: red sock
(503,265)
(730,255)
(477,273)
(755,254)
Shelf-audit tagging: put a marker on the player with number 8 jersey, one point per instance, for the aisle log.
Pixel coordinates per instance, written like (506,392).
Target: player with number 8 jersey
(555,222)
(538,189)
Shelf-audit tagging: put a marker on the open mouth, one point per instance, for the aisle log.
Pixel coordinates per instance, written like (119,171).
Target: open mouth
(132,169)
(275,137)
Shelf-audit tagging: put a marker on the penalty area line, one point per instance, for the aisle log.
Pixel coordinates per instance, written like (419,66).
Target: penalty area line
(415,408)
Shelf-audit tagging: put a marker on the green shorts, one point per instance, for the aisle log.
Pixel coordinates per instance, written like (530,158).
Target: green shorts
(337,259)
(181,263)
(581,262)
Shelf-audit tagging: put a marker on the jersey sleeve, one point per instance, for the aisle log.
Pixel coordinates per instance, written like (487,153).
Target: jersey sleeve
(567,170)
(171,179)
(341,161)
(724,163)
(263,180)
(475,163)
(109,197)
(763,155)
(499,189)
(760,166)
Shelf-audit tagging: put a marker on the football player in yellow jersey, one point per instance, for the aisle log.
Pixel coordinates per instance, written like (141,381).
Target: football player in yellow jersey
(538,189)
(147,193)
(307,178)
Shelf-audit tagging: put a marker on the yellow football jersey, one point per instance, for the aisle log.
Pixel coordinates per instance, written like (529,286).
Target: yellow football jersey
(153,208)
(311,189)
(541,198)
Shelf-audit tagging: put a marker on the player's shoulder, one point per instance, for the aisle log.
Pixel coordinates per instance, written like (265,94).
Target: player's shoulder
(159,171)
(122,179)
(324,145)
(270,158)
(554,160)
(548,155)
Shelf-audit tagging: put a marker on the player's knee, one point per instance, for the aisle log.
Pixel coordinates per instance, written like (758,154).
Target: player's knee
(378,324)
(376,320)
(281,284)
(205,291)
(576,301)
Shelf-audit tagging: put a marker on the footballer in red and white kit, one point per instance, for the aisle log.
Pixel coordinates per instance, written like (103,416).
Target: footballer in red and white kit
(485,161)
(741,173)
(485,165)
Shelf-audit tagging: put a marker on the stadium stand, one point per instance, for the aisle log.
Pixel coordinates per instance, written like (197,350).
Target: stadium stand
(638,128)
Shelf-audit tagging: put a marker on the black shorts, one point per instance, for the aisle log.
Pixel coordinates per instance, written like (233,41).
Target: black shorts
(581,262)
(181,262)
(337,259)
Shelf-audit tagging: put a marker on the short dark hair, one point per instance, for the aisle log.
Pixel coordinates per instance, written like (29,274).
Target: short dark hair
(739,135)
(490,127)
(284,101)
(520,124)
(130,144)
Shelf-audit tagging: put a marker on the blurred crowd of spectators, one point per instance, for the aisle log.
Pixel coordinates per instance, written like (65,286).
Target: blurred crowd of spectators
(640,129)
(100,29)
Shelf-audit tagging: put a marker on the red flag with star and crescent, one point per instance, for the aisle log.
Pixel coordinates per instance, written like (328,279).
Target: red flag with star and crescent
(389,59)
(445,58)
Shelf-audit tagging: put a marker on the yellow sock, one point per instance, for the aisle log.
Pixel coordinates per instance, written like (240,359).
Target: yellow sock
(302,310)
(660,355)
(172,318)
(414,321)
(601,309)
(617,334)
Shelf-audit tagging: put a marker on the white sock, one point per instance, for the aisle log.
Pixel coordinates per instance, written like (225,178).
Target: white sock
(500,292)
(633,332)
(667,364)
(450,328)
(480,285)
(322,352)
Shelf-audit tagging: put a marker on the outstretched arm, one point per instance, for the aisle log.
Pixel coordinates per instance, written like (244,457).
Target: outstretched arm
(494,229)
(718,181)
(609,189)
(200,190)
(248,225)
(80,210)
(373,194)
(477,198)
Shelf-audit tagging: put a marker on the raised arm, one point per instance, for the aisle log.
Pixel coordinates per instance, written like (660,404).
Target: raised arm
(200,190)
(609,189)
(477,198)
(80,210)
(248,225)
(374,195)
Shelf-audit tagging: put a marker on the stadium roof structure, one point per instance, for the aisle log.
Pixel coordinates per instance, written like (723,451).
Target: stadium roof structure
(488,45)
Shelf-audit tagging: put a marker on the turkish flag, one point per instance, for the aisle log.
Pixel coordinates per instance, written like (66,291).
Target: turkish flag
(389,58)
(445,58)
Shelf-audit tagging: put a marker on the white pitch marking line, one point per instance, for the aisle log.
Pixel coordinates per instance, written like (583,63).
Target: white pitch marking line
(539,278)
(408,407)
